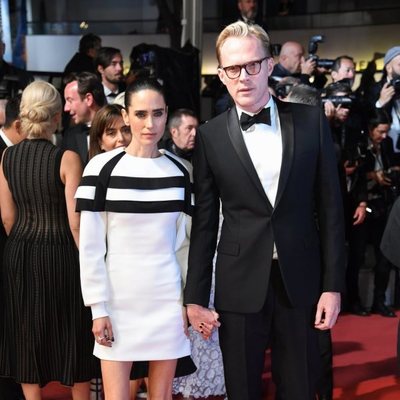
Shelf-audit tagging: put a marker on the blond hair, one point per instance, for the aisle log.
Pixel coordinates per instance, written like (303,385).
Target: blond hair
(40,103)
(241,29)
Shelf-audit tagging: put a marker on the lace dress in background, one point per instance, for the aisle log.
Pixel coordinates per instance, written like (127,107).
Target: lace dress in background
(208,380)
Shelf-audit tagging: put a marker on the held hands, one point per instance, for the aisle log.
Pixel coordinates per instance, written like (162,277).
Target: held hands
(328,309)
(203,320)
(102,331)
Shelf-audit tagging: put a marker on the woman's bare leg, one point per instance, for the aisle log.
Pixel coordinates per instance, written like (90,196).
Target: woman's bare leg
(161,374)
(116,379)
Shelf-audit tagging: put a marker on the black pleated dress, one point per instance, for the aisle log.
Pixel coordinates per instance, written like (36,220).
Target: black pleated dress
(46,335)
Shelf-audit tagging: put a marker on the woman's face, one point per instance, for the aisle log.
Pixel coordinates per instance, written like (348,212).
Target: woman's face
(115,135)
(146,116)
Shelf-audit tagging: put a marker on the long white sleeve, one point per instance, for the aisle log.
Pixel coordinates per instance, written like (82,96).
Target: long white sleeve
(92,252)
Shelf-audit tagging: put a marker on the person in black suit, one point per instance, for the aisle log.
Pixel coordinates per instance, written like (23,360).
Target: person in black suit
(9,135)
(84,96)
(280,265)
(83,60)
(391,250)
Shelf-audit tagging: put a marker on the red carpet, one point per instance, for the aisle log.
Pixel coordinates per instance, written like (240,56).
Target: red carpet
(364,361)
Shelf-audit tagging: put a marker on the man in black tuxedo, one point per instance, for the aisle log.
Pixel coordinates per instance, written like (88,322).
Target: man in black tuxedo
(280,264)
(84,96)
(9,135)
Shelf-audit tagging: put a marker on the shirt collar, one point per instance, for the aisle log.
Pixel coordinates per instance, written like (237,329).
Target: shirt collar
(5,138)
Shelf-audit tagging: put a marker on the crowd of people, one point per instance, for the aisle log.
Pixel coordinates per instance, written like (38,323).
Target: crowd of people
(149,253)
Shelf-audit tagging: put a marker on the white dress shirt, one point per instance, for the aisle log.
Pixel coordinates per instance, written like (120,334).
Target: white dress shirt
(264,144)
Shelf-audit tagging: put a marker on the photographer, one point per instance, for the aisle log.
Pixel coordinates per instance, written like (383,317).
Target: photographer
(292,63)
(383,188)
(343,68)
(389,95)
(350,147)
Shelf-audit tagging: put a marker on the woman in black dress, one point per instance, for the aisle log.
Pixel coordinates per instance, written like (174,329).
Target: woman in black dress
(46,334)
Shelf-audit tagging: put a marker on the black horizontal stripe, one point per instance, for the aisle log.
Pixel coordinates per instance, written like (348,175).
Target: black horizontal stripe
(135,207)
(144,207)
(84,205)
(127,182)
(89,180)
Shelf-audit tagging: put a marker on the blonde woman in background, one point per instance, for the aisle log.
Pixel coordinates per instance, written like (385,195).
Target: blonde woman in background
(46,332)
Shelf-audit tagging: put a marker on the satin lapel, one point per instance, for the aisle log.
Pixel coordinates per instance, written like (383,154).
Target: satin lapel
(287,131)
(239,145)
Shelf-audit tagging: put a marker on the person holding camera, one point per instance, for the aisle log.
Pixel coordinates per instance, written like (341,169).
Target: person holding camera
(389,96)
(350,149)
(383,180)
(291,62)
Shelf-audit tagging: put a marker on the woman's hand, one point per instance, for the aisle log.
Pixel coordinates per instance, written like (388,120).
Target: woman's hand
(102,331)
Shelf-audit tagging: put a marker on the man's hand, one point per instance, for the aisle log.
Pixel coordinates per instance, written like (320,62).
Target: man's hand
(359,214)
(308,66)
(203,320)
(387,93)
(329,109)
(328,309)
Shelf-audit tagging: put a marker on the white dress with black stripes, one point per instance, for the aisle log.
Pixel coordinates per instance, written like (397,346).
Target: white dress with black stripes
(133,223)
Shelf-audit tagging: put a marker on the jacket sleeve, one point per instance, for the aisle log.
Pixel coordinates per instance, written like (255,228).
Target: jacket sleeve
(204,229)
(92,252)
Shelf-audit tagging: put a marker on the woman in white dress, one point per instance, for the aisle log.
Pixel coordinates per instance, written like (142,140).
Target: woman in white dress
(135,203)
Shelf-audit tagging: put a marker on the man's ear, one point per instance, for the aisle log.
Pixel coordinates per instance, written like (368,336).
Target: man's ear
(100,69)
(334,75)
(221,75)
(17,126)
(89,99)
(173,132)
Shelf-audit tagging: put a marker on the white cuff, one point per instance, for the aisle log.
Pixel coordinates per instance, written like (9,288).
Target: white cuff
(99,310)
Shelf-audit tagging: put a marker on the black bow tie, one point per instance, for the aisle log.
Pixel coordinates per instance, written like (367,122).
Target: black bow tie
(263,117)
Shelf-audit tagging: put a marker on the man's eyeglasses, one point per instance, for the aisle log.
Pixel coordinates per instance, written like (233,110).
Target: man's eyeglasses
(252,68)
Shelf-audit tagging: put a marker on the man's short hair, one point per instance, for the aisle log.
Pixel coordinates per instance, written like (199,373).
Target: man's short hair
(12,110)
(89,41)
(88,82)
(105,55)
(175,119)
(338,62)
(338,87)
(303,94)
(241,29)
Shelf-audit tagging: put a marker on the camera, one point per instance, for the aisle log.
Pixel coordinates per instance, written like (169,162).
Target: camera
(395,82)
(344,101)
(312,50)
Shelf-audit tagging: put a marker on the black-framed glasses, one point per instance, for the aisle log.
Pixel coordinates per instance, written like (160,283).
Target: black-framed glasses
(252,68)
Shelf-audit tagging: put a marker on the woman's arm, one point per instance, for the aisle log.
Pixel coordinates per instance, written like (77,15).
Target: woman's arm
(71,174)
(8,207)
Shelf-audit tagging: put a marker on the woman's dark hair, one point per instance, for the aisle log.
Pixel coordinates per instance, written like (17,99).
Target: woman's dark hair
(377,117)
(103,119)
(140,84)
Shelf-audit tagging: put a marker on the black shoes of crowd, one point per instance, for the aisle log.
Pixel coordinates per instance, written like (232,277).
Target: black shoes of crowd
(377,308)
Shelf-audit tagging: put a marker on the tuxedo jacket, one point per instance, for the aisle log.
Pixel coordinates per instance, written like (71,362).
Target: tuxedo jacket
(390,239)
(306,223)
(3,235)
(76,139)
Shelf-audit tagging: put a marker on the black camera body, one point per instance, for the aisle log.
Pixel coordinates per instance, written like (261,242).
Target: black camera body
(395,82)
(339,100)
(312,52)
